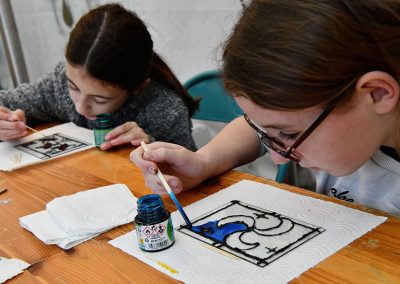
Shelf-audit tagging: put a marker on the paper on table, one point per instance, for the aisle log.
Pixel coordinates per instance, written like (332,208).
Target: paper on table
(71,220)
(13,158)
(197,264)
(10,267)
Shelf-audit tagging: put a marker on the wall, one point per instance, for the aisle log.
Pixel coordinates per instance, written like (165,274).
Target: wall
(5,78)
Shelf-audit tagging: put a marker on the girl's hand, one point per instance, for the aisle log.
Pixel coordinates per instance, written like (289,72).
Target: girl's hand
(12,124)
(182,168)
(128,132)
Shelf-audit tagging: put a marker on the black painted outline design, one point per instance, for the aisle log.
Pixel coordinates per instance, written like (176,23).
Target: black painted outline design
(57,144)
(284,228)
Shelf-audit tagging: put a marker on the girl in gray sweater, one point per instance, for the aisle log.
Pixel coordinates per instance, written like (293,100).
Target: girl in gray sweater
(110,68)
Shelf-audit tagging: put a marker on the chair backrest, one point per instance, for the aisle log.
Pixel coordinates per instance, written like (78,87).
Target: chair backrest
(216,104)
(281,175)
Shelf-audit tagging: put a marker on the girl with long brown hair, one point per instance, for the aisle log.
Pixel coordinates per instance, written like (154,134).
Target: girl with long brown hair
(319,83)
(110,68)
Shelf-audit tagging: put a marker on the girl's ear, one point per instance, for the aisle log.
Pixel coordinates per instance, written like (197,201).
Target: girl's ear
(381,90)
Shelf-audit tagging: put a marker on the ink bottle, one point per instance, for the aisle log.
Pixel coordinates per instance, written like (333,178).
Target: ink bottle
(102,125)
(153,224)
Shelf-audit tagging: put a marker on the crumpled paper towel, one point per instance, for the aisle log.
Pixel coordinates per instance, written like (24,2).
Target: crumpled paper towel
(73,219)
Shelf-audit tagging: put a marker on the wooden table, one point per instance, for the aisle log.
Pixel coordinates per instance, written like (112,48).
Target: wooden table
(373,258)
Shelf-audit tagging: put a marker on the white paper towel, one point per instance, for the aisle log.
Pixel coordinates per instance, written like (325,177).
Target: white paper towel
(70,220)
(197,264)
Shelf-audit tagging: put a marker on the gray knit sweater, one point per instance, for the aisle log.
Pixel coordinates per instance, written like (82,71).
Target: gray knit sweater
(159,111)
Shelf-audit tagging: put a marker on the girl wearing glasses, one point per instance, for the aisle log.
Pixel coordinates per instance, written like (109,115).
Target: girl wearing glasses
(110,68)
(319,83)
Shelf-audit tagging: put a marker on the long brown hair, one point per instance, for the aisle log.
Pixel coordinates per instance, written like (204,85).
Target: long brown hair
(114,46)
(293,54)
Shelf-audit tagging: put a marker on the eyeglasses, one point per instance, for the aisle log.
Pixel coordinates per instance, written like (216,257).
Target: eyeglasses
(279,147)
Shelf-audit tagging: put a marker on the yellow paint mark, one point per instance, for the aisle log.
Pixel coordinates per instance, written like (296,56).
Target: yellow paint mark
(166,266)
(371,243)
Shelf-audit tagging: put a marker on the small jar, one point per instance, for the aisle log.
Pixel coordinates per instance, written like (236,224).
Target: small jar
(153,224)
(102,125)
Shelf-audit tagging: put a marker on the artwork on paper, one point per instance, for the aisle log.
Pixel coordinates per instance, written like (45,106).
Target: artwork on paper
(256,235)
(51,146)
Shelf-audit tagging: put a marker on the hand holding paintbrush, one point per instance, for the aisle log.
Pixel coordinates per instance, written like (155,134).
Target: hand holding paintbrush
(12,124)
(169,190)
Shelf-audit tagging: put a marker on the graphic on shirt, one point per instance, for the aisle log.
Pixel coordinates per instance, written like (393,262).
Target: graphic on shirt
(51,146)
(341,195)
(256,235)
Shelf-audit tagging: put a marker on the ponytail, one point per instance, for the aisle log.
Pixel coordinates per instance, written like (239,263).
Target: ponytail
(160,71)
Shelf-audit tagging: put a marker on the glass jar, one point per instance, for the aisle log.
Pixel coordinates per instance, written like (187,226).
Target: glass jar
(102,125)
(153,224)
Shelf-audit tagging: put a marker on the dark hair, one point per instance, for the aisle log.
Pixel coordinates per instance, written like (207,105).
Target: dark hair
(114,46)
(290,54)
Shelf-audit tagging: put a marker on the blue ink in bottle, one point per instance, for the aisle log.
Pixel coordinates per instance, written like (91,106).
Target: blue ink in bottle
(153,224)
(102,125)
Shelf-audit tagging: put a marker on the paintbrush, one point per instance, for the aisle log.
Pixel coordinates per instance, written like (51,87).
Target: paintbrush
(34,130)
(171,194)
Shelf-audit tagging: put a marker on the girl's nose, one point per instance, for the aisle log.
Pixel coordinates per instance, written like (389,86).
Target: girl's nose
(277,158)
(81,106)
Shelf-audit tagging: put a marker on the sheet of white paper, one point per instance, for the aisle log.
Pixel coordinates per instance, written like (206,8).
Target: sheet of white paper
(15,156)
(197,264)
(10,267)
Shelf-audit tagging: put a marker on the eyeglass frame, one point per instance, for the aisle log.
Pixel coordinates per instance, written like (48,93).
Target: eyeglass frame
(270,142)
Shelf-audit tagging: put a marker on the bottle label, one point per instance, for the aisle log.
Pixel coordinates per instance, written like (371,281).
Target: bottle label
(156,236)
(99,135)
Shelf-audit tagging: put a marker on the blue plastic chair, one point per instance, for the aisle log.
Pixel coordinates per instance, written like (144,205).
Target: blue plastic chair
(217,105)
(282,172)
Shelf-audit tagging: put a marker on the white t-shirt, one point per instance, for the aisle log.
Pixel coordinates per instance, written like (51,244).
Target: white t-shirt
(376,184)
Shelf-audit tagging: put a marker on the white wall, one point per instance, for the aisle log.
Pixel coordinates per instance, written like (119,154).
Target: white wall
(42,31)
(188,33)
(5,78)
